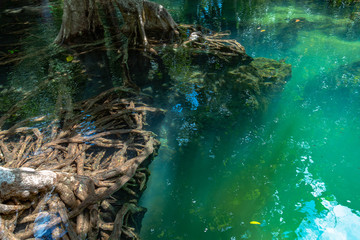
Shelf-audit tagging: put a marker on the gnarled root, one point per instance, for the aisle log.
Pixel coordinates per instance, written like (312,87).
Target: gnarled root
(87,169)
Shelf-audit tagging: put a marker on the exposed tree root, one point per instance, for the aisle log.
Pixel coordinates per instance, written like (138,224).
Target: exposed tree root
(65,180)
(208,42)
(80,22)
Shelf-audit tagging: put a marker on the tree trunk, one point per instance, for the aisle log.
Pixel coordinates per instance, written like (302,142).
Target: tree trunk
(80,22)
(133,14)
(158,22)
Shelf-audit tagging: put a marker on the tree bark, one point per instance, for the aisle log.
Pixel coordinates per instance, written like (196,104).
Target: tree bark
(158,22)
(80,22)
(134,26)
(23,182)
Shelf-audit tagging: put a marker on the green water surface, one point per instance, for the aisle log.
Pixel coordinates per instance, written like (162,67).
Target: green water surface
(294,169)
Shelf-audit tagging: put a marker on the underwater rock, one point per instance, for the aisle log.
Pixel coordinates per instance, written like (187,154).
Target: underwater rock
(262,75)
(256,82)
(240,83)
(288,32)
(346,77)
(341,85)
(242,90)
(209,77)
(274,74)
(355,16)
(148,90)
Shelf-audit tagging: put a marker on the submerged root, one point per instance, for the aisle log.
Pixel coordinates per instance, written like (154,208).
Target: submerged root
(76,166)
(204,41)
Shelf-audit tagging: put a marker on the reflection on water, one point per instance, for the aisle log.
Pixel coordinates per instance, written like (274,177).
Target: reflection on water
(336,222)
(294,169)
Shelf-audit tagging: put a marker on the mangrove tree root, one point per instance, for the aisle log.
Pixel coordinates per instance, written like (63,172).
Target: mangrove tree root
(77,177)
(206,42)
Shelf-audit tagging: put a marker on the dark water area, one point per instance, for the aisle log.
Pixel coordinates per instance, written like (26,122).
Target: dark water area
(288,172)
(39,75)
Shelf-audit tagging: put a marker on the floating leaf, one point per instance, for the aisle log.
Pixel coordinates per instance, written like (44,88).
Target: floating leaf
(297,20)
(12,51)
(69,58)
(263,30)
(255,222)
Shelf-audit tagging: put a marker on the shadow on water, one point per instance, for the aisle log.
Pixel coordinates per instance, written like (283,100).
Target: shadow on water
(38,75)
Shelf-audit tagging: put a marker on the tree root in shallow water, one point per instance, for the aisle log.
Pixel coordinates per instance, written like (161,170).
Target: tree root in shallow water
(208,42)
(66,180)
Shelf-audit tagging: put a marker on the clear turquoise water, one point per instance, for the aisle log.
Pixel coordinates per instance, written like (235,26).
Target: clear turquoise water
(295,169)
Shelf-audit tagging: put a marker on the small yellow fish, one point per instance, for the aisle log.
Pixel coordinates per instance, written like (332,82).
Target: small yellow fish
(297,20)
(69,58)
(263,30)
(255,222)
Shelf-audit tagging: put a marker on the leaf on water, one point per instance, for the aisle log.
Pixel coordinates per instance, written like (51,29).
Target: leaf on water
(12,51)
(69,58)
(255,223)
(263,30)
(297,20)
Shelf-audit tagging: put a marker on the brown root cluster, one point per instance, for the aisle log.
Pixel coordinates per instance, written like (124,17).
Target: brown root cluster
(213,43)
(78,178)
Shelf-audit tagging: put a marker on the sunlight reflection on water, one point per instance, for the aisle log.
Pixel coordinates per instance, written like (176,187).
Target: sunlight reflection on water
(339,223)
